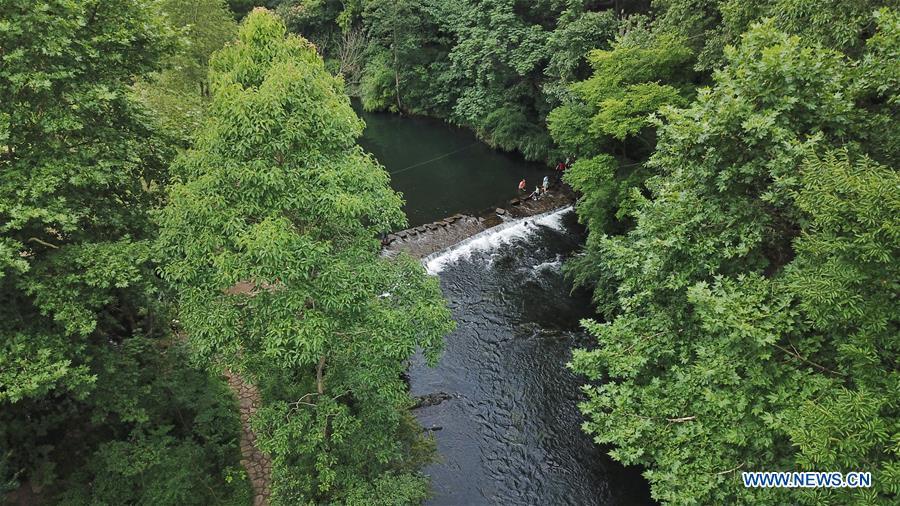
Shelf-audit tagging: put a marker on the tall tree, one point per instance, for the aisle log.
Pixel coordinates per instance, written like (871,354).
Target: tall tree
(405,40)
(606,121)
(85,374)
(271,238)
(711,25)
(77,156)
(179,92)
(753,307)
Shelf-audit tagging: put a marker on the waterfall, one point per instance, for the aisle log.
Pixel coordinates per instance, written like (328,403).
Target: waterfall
(493,237)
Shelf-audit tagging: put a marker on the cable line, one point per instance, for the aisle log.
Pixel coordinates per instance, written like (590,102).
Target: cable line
(445,155)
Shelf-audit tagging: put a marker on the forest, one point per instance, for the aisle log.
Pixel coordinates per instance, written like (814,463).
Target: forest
(186,214)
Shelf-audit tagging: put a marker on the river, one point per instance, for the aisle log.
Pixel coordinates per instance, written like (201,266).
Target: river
(509,433)
(442,170)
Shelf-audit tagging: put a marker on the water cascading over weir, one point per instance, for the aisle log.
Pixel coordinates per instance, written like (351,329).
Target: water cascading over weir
(431,238)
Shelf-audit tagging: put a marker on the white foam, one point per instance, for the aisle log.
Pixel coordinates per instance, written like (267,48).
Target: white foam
(552,265)
(495,237)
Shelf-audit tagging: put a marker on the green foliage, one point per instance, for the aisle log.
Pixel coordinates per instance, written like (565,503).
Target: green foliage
(402,44)
(613,111)
(877,89)
(240,7)
(497,61)
(576,35)
(846,280)
(500,66)
(313,18)
(179,93)
(77,156)
(174,435)
(270,237)
(752,310)
(617,101)
(712,25)
(377,87)
(391,490)
(84,376)
(495,66)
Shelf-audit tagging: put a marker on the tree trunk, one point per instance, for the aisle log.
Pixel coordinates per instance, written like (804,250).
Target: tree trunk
(397,74)
(320,376)
(320,387)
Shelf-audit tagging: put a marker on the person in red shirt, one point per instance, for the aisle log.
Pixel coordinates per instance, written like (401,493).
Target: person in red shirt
(522,185)
(560,168)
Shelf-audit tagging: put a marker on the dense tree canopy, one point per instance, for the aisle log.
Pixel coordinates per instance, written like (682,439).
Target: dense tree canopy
(751,305)
(178,93)
(76,155)
(87,377)
(496,66)
(711,25)
(270,237)
(736,170)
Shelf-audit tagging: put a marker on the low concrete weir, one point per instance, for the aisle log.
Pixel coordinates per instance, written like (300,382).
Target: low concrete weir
(494,237)
(425,240)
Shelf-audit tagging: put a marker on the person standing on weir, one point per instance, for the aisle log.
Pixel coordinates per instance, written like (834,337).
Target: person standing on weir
(560,168)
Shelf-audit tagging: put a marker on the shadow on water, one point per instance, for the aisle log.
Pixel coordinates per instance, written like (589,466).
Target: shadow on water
(511,429)
(441,169)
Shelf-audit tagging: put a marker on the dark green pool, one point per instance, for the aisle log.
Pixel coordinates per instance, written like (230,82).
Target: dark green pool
(443,170)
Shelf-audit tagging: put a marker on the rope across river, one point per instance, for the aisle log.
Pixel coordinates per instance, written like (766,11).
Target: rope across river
(439,157)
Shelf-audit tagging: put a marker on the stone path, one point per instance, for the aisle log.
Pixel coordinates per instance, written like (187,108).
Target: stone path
(257,463)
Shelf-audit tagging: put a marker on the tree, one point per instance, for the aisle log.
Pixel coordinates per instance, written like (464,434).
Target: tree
(498,60)
(609,114)
(746,330)
(270,237)
(178,94)
(495,66)
(712,25)
(846,283)
(85,366)
(76,155)
(402,44)
(577,34)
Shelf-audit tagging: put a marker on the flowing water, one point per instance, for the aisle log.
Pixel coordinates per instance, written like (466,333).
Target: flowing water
(509,433)
(443,170)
